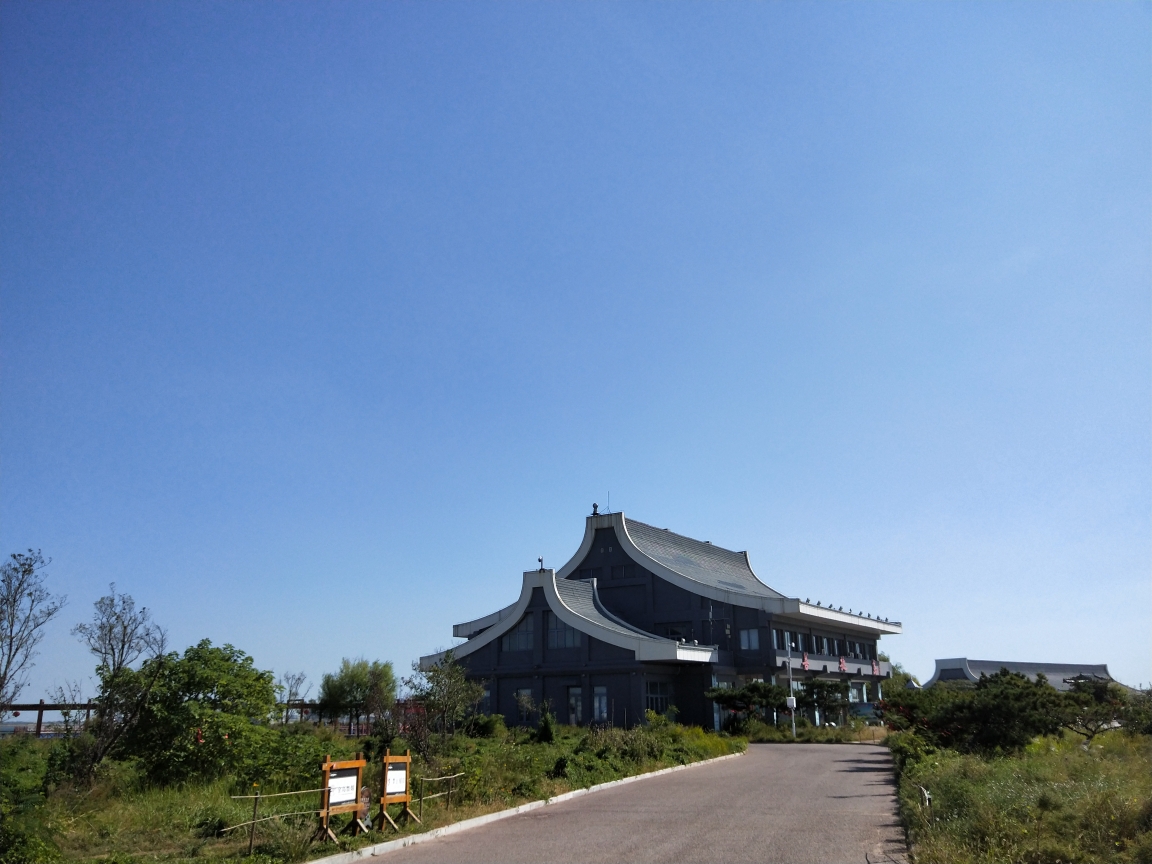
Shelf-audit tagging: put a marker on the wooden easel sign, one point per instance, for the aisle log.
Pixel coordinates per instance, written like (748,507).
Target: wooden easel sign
(340,793)
(397,787)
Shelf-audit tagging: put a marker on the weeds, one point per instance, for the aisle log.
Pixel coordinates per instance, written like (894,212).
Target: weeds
(1056,801)
(124,818)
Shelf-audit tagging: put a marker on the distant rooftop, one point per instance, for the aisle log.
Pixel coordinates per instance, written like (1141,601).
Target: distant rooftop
(1059,675)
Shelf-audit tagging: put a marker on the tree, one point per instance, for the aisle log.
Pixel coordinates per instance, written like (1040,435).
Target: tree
(119,635)
(357,689)
(757,698)
(900,675)
(999,713)
(25,607)
(203,716)
(1093,706)
(444,691)
(291,685)
(828,697)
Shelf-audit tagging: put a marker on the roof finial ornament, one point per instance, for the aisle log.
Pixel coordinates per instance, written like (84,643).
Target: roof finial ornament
(541,560)
(595,509)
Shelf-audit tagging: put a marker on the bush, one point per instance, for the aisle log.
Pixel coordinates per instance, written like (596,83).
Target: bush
(490,726)
(1055,801)
(23,769)
(1001,713)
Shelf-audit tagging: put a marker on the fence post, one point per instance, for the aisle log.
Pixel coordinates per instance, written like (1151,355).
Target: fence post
(421,797)
(451,783)
(252,827)
(40,718)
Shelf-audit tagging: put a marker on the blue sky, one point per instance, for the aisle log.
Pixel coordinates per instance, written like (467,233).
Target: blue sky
(322,321)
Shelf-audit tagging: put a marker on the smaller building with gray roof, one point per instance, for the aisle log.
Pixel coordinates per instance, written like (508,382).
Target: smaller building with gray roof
(1060,675)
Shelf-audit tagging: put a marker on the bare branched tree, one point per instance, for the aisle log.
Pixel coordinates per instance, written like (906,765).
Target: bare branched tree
(25,607)
(70,693)
(119,635)
(291,684)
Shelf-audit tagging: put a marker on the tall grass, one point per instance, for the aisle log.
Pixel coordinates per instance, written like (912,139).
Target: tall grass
(121,819)
(1058,801)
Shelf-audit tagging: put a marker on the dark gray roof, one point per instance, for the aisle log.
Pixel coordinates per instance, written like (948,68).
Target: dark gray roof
(1058,674)
(701,562)
(580,597)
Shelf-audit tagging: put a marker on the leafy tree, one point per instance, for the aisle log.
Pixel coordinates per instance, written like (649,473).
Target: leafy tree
(202,715)
(357,689)
(756,698)
(445,693)
(1137,714)
(900,675)
(830,698)
(1093,706)
(25,607)
(1000,713)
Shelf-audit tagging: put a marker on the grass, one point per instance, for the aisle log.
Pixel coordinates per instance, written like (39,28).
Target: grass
(856,732)
(120,820)
(1059,801)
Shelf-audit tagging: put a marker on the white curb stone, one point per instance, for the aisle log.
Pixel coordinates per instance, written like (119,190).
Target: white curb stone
(477,821)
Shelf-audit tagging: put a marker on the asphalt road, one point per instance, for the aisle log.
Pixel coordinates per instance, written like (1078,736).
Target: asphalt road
(787,803)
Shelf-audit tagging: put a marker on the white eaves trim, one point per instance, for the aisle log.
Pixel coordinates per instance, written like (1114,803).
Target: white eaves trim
(790,606)
(644,647)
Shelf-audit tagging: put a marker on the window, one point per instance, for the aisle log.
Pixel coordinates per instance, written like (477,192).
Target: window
(750,640)
(618,571)
(659,696)
(677,630)
(575,706)
(778,640)
(819,645)
(524,704)
(599,704)
(486,701)
(586,573)
(560,635)
(520,637)
(793,641)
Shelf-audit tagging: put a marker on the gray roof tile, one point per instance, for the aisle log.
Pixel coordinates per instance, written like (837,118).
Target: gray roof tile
(701,562)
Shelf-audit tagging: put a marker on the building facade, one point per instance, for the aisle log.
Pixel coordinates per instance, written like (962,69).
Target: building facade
(643,618)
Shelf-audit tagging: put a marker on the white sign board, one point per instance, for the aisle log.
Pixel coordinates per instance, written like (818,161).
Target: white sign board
(342,787)
(397,783)
(790,702)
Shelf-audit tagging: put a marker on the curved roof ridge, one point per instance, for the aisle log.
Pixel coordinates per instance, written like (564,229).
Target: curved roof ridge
(579,597)
(698,560)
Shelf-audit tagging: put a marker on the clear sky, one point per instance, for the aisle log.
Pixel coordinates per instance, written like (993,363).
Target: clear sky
(320,322)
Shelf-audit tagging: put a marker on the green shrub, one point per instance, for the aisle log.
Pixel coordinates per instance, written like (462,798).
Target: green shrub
(1054,801)
(24,838)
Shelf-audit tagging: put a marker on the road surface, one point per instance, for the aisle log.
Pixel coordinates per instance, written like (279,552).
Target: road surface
(787,803)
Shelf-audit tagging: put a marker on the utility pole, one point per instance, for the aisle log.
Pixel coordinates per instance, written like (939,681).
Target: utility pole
(791,701)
